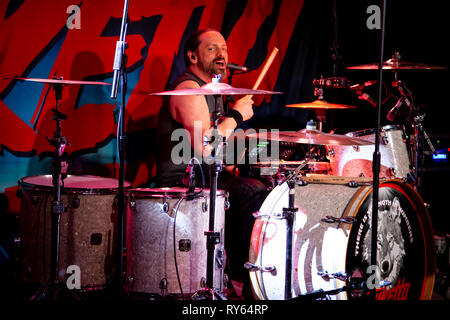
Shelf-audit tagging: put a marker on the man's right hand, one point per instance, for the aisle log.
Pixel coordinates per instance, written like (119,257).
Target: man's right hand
(245,107)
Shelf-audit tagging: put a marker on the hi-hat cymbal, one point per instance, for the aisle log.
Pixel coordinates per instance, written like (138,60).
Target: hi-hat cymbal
(307,136)
(213,89)
(60,81)
(320,104)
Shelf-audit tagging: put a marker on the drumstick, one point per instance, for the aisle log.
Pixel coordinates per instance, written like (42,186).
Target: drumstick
(265,69)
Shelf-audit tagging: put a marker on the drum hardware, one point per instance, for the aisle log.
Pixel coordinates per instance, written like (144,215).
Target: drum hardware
(331,219)
(362,95)
(57,207)
(120,75)
(332,82)
(356,286)
(289,215)
(337,275)
(253,267)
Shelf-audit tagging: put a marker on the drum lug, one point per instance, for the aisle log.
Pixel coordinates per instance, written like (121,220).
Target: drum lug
(165,205)
(385,140)
(258,214)
(163,284)
(76,202)
(331,152)
(205,205)
(356,148)
(392,172)
(253,267)
(227,203)
(132,203)
(130,281)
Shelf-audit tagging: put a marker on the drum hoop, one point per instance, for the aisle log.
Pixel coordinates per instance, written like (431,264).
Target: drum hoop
(427,236)
(426,229)
(370,131)
(152,193)
(67,190)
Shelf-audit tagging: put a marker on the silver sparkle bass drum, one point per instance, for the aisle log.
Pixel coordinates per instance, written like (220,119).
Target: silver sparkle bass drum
(332,240)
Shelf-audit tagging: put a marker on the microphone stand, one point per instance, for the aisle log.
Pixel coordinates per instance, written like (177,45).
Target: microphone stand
(376,154)
(120,71)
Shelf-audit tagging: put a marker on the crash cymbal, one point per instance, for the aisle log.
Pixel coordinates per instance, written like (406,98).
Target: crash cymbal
(396,63)
(213,89)
(59,81)
(307,136)
(320,104)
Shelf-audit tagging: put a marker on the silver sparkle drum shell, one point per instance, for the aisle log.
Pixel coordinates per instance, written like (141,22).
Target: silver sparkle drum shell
(321,245)
(151,265)
(88,228)
(357,161)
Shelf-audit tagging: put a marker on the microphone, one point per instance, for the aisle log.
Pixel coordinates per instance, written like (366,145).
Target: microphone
(392,114)
(234,66)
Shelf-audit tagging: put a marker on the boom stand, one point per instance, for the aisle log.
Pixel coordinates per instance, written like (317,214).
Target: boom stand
(120,72)
(212,238)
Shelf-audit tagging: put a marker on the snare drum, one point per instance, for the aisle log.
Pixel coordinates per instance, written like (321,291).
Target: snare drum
(88,230)
(153,215)
(356,161)
(332,237)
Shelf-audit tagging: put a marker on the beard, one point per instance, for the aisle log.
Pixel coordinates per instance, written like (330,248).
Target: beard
(212,68)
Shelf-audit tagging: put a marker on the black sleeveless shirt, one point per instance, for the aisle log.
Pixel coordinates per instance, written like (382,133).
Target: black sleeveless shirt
(169,173)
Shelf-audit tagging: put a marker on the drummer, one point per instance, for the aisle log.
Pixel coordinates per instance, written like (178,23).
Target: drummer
(205,55)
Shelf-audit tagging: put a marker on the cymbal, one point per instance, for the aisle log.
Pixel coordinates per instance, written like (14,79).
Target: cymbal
(60,81)
(211,89)
(320,104)
(395,63)
(307,136)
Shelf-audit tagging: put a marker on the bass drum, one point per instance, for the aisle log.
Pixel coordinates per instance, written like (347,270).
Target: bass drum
(332,236)
(88,228)
(154,256)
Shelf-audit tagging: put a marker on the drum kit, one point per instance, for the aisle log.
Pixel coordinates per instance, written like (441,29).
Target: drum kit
(310,239)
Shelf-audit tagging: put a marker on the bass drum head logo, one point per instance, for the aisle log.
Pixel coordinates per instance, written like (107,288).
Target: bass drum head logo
(399,273)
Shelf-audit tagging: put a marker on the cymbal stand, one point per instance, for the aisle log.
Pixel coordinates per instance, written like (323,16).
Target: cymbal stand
(289,215)
(57,206)
(212,238)
(415,120)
